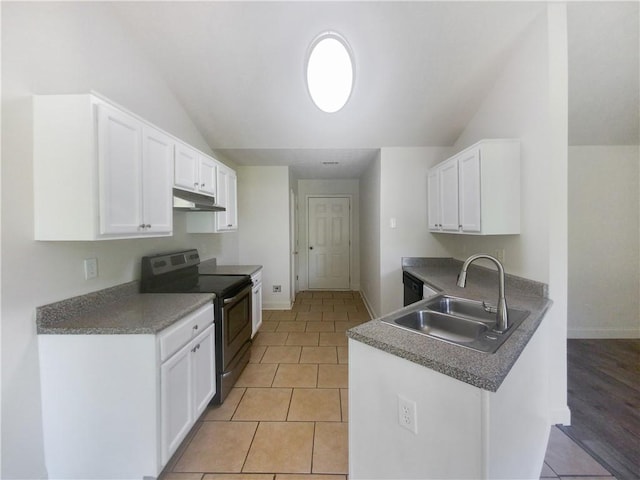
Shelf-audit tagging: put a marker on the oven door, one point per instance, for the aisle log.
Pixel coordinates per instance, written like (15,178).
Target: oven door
(236,326)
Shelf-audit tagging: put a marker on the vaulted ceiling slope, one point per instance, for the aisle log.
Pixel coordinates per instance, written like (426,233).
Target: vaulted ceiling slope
(422,69)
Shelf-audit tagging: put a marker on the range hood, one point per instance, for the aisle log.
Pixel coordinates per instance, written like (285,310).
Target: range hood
(194,202)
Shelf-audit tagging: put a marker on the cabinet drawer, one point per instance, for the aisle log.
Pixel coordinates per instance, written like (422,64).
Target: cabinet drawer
(177,335)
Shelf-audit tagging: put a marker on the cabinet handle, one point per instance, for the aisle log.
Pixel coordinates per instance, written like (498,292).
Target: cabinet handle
(229,225)
(148,225)
(202,184)
(197,347)
(196,184)
(195,327)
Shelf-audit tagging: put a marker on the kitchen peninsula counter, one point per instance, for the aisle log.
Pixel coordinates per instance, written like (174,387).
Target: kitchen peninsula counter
(421,408)
(486,371)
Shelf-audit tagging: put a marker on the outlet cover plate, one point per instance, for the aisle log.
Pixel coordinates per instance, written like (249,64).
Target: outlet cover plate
(407,414)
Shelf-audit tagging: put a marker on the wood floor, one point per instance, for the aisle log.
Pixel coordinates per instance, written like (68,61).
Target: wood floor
(604,398)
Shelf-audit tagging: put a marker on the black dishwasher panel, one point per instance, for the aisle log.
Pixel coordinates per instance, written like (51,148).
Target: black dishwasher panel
(412,289)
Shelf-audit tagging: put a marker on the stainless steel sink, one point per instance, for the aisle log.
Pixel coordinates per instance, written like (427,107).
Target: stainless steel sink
(447,327)
(463,322)
(464,308)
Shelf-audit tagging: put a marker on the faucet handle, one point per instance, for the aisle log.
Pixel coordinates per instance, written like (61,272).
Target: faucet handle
(488,308)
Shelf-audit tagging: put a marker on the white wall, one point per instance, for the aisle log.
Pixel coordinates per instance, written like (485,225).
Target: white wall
(50,48)
(529,102)
(263,211)
(403,197)
(370,237)
(517,108)
(335,187)
(604,239)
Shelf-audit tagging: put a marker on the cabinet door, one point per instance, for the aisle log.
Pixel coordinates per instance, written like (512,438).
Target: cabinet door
(256,315)
(119,154)
(433,199)
(176,401)
(228,197)
(207,176)
(157,161)
(232,201)
(186,168)
(204,382)
(222,182)
(449,195)
(469,190)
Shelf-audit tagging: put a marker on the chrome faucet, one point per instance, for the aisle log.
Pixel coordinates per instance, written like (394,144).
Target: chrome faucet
(502,321)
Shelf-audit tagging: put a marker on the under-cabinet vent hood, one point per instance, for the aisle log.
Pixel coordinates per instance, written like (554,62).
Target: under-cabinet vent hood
(194,202)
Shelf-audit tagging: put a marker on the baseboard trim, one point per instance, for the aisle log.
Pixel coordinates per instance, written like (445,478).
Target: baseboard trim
(560,416)
(609,333)
(367,305)
(277,306)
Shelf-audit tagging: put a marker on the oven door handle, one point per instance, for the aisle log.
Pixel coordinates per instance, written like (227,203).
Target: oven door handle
(233,299)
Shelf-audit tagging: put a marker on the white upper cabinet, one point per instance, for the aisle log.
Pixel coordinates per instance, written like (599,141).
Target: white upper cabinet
(208,176)
(186,172)
(227,196)
(477,191)
(433,199)
(99,172)
(448,186)
(194,171)
(120,171)
(469,190)
(157,175)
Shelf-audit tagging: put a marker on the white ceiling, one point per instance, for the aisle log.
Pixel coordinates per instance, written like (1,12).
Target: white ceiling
(422,69)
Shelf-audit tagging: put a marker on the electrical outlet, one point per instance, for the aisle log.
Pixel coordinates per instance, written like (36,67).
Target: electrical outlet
(90,268)
(407,414)
(277,288)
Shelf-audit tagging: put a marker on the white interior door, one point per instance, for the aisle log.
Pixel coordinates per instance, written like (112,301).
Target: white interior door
(329,242)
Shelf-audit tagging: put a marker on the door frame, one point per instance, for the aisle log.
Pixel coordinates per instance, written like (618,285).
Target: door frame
(293,243)
(306,253)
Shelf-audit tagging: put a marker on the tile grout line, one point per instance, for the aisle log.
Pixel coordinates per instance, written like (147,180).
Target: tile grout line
(235,410)
(253,437)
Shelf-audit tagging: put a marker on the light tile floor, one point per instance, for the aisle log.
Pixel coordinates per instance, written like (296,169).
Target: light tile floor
(567,461)
(286,418)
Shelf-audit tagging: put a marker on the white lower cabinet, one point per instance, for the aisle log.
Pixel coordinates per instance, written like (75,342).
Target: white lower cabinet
(187,385)
(118,406)
(256,304)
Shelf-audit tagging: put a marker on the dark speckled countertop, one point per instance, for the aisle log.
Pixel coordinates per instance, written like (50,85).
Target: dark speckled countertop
(486,371)
(210,267)
(117,310)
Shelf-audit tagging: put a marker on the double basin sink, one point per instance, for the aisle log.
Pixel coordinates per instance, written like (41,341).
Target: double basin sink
(463,322)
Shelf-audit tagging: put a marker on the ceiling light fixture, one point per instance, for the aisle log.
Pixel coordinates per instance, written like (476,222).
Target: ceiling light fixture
(330,71)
